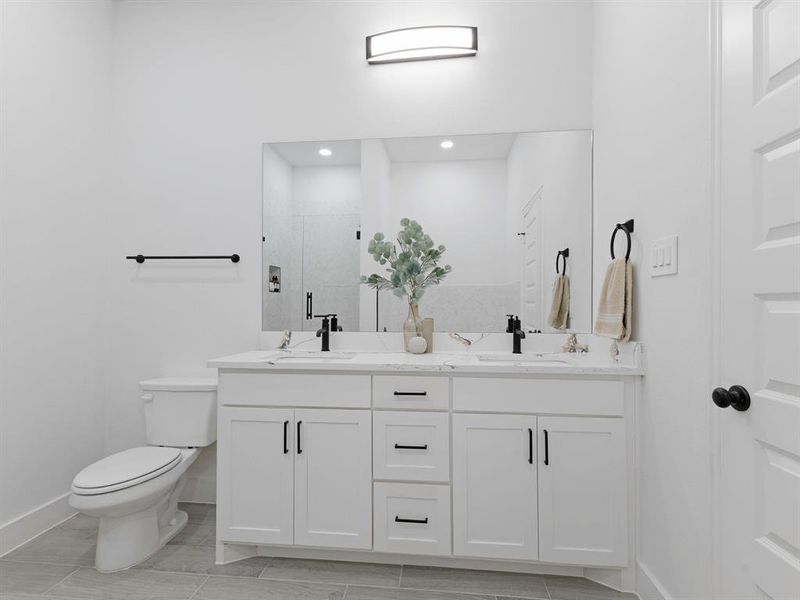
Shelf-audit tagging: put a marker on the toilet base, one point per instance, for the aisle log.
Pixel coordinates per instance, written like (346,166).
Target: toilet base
(123,542)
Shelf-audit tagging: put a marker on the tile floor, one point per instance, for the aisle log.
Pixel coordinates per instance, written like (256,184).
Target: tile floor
(58,565)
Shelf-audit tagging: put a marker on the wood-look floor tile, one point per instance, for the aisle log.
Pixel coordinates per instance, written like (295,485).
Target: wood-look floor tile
(237,588)
(30,578)
(327,571)
(88,584)
(59,545)
(373,593)
(201,559)
(579,588)
(521,585)
(196,534)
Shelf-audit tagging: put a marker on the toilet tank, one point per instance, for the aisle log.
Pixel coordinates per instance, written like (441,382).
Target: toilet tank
(180,411)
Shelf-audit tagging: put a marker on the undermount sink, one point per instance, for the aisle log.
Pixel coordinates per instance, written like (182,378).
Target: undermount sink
(300,356)
(526,359)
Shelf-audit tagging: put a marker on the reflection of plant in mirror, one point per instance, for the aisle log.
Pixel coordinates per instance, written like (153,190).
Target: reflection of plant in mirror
(413,268)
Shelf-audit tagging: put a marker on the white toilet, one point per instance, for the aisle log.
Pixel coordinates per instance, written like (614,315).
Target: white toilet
(135,492)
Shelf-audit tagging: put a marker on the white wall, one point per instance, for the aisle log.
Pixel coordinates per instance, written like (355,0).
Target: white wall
(55,101)
(651,119)
(199,87)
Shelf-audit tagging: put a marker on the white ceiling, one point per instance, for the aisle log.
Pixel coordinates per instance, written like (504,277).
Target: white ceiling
(306,154)
(495,146)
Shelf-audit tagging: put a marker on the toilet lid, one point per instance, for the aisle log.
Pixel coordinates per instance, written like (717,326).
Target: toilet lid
(125,469)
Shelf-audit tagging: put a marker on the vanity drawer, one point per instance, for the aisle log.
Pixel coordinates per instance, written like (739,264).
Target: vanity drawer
(297,390)
(411,446)
(412,518)
(598,397)
(409,391)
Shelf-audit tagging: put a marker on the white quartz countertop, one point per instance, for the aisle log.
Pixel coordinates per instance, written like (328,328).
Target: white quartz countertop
(489,363)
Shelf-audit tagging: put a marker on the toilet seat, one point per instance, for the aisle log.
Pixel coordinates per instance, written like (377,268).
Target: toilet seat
(125,469)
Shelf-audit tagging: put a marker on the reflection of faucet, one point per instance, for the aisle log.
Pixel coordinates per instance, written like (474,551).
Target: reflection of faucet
(515,327)
(285,340)
(572,346)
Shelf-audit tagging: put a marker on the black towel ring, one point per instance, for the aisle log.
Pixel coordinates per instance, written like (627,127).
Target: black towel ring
(562,253)
(627,227)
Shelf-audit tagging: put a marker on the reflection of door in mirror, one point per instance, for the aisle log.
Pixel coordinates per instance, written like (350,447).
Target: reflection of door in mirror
(531,240)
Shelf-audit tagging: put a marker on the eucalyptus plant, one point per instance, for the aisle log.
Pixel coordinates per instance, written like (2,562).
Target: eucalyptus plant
(413,262)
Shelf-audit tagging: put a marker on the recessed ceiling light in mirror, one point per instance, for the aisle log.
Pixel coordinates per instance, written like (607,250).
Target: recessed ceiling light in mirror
(325,152)
(422,43)
(447,144)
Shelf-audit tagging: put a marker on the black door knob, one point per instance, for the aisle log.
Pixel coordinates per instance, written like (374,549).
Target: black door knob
(736,396)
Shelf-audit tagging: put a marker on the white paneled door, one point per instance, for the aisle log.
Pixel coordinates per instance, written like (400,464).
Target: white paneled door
(333,478)
(494,486)
(759,301)
(582,491)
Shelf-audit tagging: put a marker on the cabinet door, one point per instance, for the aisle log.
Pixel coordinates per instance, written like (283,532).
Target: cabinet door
(333,478)
(582,491)
(494,486)
(255,473)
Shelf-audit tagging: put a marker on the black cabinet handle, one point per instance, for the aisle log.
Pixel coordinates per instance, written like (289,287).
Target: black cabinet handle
(286,437)
(401,520)
(309,305)
(410,447)
(411,393)
(546,448)
(530,446)
(299,448)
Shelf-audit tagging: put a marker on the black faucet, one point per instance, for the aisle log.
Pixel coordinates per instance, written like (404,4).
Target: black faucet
(325,333)
(514,327)
(329,323)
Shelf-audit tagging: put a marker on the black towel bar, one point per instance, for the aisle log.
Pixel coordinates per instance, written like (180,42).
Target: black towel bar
(140,258)
(627,227)
(562,253)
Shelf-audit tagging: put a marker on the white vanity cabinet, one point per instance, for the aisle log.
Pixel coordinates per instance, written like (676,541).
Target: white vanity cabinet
(255,475)
(295,476)
(333,478)
(473,469)
(582,491)
(494,486)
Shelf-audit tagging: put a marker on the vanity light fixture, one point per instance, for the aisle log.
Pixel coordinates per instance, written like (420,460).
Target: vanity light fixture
(447,144)
(422,43)
(325,152)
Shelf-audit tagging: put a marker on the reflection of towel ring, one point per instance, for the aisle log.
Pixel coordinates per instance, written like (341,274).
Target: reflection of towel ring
(627,227)
(562,253)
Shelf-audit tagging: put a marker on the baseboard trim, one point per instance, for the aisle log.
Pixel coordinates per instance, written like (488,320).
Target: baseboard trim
(648,586)
(35,522)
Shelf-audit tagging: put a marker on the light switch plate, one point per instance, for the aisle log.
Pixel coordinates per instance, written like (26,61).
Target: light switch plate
(664,257)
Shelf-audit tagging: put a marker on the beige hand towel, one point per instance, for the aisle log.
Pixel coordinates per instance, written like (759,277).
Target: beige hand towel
(614,310)
(559,309)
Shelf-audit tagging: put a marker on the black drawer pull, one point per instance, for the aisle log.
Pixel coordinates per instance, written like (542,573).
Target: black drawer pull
(286,437)
(411,393)
(421,521)
(410,447)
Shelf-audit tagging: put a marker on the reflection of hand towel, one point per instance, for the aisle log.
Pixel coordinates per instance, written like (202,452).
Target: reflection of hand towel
(559,310)
(614,309)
